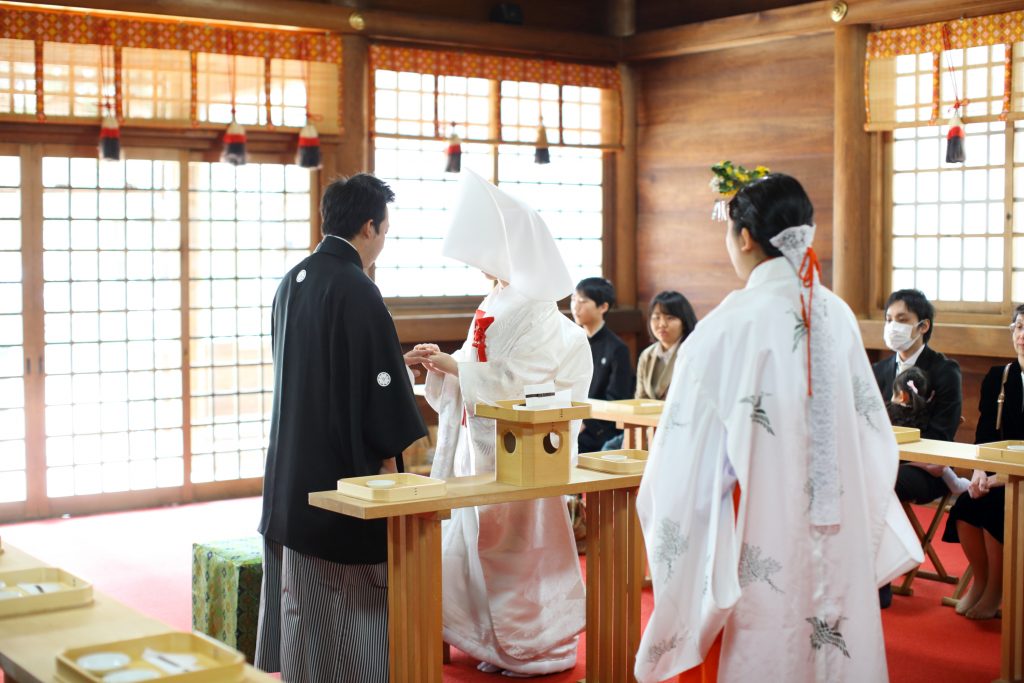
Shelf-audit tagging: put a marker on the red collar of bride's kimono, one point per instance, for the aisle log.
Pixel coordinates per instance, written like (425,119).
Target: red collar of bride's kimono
(480,325)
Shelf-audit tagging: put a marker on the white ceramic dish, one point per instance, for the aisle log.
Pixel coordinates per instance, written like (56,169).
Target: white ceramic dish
(100,662)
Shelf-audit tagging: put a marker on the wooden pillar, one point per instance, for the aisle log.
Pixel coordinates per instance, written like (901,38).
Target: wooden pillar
(1012,668)
(851,214)
(615,572)
(620,193)
(619,112)
(414,598)
(355,152)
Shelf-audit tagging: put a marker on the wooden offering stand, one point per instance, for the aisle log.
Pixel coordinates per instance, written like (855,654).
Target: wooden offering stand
(615,562)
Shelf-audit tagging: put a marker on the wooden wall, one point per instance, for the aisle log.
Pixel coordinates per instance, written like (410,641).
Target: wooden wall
(769,104)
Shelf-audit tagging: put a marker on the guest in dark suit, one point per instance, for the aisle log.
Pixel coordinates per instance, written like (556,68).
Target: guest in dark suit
(977,520)
(613,370)
(909,318)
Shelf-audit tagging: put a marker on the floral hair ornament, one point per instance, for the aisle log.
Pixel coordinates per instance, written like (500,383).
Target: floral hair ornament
(910,383)
(727,181)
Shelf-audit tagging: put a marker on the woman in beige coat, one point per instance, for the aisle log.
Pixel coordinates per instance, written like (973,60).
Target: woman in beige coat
(671,319)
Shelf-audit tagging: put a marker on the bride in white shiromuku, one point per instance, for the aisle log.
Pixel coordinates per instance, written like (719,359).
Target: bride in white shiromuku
(772,392)
(513,591)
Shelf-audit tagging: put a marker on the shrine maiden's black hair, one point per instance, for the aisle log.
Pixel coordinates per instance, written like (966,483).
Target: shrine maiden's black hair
(768,206)
(598,290)
(349,202)
(675,304)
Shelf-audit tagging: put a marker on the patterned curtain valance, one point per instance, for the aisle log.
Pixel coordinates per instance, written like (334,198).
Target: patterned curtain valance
(71,65)
(494,67)
(989,30)
(915,75)
(95,29)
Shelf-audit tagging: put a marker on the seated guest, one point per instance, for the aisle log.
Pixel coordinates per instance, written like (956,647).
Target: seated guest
(908,407)
(976,519)
(909,317)
(613,369)
(671,320)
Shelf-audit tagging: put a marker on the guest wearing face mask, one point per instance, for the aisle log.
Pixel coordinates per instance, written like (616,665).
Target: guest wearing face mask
(909,318)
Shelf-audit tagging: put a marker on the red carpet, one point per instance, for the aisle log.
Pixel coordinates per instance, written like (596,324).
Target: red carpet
(144,559)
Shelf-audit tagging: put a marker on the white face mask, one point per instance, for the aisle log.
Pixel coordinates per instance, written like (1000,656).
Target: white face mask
(899,336)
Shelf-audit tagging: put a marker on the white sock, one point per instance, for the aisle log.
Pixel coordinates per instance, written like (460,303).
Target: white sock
(488,668)
(955,484)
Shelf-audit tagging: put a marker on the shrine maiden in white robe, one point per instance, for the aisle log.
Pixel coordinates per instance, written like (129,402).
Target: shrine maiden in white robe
(512,586)
(797,602)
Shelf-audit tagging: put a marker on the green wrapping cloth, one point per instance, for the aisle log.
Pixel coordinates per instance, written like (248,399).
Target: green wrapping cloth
(226,578)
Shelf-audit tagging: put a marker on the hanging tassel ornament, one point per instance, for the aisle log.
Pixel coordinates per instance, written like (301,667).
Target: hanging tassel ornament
(308,154)
(541,155)
(110,138)
(110,132)
(234,145)
(955,138)
(234,152)
(454,152)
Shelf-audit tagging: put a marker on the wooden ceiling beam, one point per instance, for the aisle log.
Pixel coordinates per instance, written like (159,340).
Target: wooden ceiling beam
(896,13)
(799,20)
(377,24)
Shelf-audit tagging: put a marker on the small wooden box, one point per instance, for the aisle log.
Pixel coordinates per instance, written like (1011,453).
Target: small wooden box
(1002,450)
(74,592)
(407,486)
(636,406)
(906,434)
(634,463)
(220,663)
(533,447)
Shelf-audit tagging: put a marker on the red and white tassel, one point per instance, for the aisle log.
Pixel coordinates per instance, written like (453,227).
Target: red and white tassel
(454,152)
(234,151)
(955,139)
(308,154)
(110,139)
(541,154)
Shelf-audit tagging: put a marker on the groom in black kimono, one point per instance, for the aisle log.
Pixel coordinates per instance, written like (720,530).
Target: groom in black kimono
(343,407)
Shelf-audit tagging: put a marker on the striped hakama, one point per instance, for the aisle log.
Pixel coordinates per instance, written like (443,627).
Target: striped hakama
(321,621)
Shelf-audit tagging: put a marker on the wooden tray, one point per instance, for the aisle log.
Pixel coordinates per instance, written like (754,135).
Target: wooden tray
(998,450)
(219,662)
(634,463)
(73,592)
(906,434)
(506,410)
(407,486)
(635,406)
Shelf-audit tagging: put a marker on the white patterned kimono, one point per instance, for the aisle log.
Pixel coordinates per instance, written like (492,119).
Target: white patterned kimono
(797,601)
(513,590)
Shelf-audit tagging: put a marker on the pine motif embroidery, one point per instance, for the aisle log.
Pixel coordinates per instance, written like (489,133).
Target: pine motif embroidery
(671,544)
(823,634)
(799,330)
(754,567)
(661,648)
(865,400)
(758,414)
